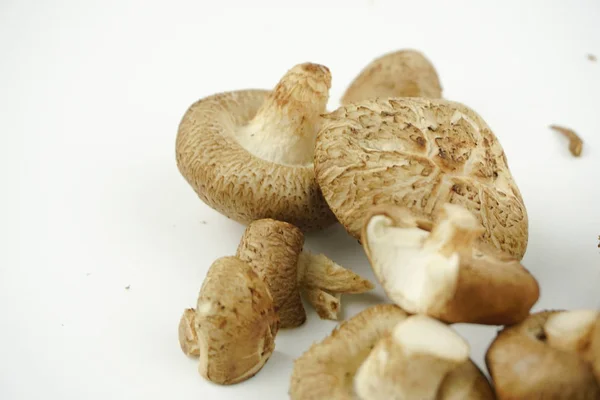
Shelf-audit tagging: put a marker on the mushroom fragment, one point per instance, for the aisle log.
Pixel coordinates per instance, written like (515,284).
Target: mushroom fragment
(327,369)
(234,324)
(524,365)
(443,271)
(274,249)
(249,154)
(412,362)
(419,154)
(404,73)
(466,382)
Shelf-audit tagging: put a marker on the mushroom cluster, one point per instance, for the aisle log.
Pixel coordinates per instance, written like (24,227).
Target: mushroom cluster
(244,300)
(424,185)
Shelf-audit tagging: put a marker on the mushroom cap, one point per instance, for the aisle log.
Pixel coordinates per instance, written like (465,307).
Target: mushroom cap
(419,154)
(213,154)
(272,249)
(326,370)
(235,321)
(466,382)
(404,73)
(442,271)
(594,355)
(523,366)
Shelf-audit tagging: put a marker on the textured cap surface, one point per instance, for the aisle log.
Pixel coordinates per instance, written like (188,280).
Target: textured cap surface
(404,73)
(420,154)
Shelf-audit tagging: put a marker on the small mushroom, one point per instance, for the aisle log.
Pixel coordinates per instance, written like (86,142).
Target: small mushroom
(249,154)
(234,325)
(412,362)
(443,271)
(274,249)
(523,365)
(418,154)
(404,73)
(327,369)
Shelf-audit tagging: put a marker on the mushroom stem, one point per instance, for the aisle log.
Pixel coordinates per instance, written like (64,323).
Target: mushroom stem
(319,271)
(285,127)
(457,229)
(327,305)
(571,330)
(412,362)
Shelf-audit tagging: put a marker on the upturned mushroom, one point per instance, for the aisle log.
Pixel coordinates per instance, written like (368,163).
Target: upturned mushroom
(233,328)
(249,154)
(404,73)
(412,362)
(327,369)
(524,365)
(419,154)
(384,353)
(443,271)
(274,249)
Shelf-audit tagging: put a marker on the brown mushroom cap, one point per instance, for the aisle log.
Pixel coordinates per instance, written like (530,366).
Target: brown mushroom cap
(236,322)
(442,271)
(523,366)
(272,248)
(326,370)
(248,154)
(419,154)
(404,73)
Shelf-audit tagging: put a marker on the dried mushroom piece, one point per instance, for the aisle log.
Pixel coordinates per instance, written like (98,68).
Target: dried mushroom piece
(404,73)
(249,154)
(274,249)
(443,271)
(234,324)
(575,142)
(524,365)
(466,382)
(327,369)
(419,154)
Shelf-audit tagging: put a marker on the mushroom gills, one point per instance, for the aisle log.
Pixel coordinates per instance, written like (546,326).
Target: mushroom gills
(416,279)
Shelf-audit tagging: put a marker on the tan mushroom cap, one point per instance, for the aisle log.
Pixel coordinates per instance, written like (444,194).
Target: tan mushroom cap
(272,248)
(412,362)
(419,154)
(523,366)
(595,350)
(466,382)
(326,370)
(443,271)
(404,73)
(248,154)
(235,322)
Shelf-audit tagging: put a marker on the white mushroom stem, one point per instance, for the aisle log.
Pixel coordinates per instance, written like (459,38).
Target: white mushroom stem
(285,127)
(457,229)
(412,362)
(319,271)
(571,330)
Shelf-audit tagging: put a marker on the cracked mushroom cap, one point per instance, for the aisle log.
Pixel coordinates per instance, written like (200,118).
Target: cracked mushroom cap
(327,369)
(249,154)
(442,271)
(272,248)
(524,366)
(404,73)
(419,154)
(235,323)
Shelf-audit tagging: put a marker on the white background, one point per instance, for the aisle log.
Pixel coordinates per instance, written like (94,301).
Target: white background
(91,94)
